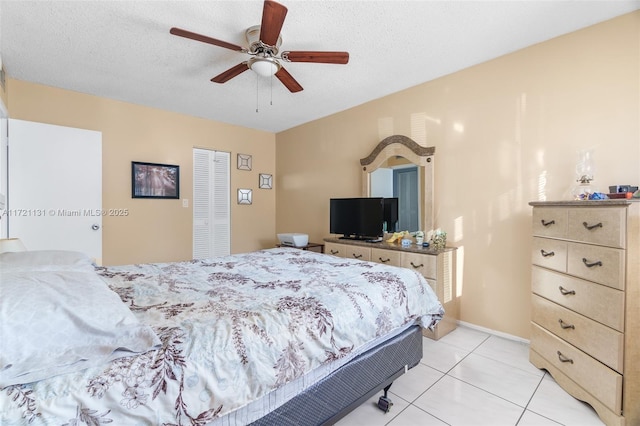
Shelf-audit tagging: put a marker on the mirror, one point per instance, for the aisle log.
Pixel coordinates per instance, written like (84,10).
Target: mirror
(399,161)
(399,178)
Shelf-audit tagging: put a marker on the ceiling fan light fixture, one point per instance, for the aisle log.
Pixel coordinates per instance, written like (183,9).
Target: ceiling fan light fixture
(265,67)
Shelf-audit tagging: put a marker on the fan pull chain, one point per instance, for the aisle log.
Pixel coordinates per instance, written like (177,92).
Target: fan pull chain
(257,90)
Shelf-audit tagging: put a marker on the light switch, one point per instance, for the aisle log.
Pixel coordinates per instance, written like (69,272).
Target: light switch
(185,202)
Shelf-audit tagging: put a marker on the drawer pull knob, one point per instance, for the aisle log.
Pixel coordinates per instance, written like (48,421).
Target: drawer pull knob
(591,265)
(590,227)
(566,292)
(417,266)
(563,358)
(547,253)
(335,251)
(384,260)
(564,325)
(357,256)
(551,222)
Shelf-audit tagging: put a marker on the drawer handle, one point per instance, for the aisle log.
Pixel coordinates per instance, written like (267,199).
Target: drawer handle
(383,260)
(547,253)
(566,292)
(551,222)
(417,266)
(564,325)
(563,358)
(335,251)
(591,265)
(590,227)
(357,256)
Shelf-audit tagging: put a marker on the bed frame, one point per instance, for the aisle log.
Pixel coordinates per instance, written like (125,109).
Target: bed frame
(345,389)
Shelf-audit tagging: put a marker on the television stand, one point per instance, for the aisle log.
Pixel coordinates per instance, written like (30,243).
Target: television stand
(438,266)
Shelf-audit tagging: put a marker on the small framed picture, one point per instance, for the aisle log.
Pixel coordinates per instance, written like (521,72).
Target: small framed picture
(152,180)
(244,196)
(244,162)
(265,181)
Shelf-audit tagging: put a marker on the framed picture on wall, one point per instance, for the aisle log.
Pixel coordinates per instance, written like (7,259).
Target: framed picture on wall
(244,196)
(265,181)
(152,180)
(244,162)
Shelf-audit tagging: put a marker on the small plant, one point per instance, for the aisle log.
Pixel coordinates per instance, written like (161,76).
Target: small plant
(439,239)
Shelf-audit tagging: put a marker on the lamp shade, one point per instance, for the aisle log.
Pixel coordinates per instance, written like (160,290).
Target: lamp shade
(11,244)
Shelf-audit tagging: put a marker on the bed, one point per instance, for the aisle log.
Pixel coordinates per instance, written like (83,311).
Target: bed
(278,336)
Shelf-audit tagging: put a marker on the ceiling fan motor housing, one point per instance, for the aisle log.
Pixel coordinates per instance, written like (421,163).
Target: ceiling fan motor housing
(256,46)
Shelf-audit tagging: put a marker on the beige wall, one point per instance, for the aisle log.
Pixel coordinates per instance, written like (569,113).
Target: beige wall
(156,230)
(3,96)
(506,132)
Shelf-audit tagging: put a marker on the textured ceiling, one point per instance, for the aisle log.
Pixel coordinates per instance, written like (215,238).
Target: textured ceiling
(123,50)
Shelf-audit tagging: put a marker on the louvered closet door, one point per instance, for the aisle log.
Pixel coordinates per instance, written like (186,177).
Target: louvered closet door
(211,204)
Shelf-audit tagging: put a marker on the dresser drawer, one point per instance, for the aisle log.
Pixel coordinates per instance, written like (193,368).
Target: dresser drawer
(550,222)
(423,263)
(549,253)
(595,301)
(595,377)
(600,225)
(334,249)
(360,253)
(603,265)
(388,257)
(601,342)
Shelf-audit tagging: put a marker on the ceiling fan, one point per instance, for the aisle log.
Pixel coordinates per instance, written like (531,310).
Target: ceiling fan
(264,45)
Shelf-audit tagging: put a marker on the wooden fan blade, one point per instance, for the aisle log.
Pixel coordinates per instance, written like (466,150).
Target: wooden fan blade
(289,82)
(273,15)
(230,73)
(317,57)
(205,39)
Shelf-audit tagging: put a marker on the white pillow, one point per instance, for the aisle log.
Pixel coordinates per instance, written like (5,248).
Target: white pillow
(56,322)
(45,260)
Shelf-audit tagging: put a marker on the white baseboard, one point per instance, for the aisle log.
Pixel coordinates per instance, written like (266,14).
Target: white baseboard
(494,332)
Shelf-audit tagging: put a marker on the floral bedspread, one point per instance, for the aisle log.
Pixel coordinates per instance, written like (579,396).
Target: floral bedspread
(233,329)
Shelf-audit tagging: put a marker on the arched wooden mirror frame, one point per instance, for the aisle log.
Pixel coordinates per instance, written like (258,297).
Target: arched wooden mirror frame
(423,157)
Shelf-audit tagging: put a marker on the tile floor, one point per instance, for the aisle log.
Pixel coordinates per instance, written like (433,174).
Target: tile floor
(469,378)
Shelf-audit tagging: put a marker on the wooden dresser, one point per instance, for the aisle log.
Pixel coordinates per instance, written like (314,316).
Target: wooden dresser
(585,321)
(438,267)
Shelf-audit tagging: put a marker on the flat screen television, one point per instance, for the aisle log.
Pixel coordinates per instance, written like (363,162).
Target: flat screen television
(390,214)
(356,218)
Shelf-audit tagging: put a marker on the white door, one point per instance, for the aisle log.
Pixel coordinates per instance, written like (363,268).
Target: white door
(55,187)
(211,204)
